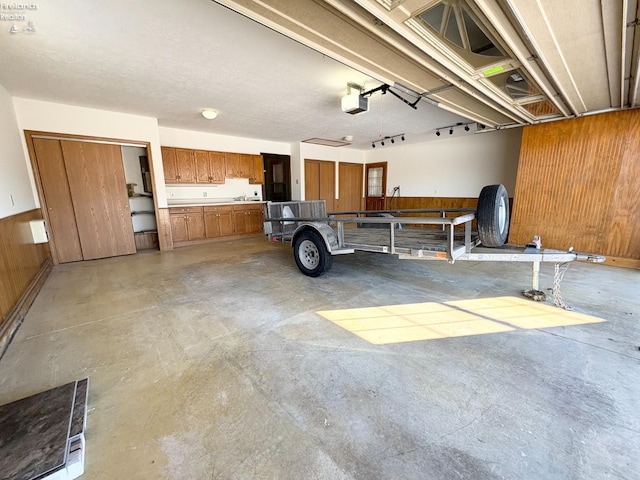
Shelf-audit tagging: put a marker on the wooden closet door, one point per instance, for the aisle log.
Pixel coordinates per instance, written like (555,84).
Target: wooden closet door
(100,201)
(311,180)
(328,184)
(57,197)
(350,186)
(320,182)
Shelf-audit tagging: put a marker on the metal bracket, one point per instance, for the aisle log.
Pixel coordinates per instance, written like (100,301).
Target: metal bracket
(387,88)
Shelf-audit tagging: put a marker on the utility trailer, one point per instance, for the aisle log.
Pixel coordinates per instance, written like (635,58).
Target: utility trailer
(425,234)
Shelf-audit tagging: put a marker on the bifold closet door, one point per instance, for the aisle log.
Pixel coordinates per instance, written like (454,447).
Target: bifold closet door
(62,219)
(320,182)
(99,194)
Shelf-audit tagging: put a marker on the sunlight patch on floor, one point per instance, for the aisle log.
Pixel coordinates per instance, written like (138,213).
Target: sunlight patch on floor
(433,320)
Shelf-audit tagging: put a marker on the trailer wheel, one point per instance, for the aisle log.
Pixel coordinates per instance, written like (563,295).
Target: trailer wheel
(311,254)
(493,215)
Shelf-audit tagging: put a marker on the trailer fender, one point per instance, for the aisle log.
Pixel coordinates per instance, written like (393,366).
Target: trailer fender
(325,231)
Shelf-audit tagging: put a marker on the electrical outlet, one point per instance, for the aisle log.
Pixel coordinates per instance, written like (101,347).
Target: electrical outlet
(204,194)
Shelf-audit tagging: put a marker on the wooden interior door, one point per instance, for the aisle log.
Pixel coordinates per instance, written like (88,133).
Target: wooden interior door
(65,241)
(350,187)
(320,182)
(277,183)
(99,194)
(376,186)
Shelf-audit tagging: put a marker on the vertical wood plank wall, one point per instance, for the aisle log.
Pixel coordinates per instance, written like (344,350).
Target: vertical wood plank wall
(21,262)
(578,184)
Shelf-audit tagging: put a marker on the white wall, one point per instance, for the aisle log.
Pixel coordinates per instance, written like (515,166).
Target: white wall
(58,118)
(457,166)
(174,137)
(16,191)
(131,161)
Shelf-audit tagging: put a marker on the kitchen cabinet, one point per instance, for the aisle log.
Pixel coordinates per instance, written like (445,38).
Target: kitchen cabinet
(178,165)
(209,166)
(246,166)
(183,165)
(214,221)
(247,219)
(218,221)
(187,224)
(257,176)
(232,164)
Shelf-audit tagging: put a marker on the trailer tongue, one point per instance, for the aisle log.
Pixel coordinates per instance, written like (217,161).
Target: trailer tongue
(428,234)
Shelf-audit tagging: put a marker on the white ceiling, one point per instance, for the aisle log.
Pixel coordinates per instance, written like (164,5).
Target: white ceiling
(169,59)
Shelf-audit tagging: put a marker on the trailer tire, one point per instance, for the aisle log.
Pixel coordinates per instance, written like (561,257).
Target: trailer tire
(493,215)
(311,255)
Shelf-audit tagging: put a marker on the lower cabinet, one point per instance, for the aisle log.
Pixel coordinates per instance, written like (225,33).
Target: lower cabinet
(198,223)
(218,221)
(247,218)
(187,224)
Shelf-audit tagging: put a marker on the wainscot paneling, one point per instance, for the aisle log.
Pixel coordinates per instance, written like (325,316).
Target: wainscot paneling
(423,203)
(23,268)
(578,184)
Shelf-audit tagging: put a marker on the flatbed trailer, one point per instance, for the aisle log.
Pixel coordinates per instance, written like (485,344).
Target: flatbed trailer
(424,234)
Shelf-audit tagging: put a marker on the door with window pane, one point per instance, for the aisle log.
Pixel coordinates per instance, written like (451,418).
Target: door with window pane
(376,185)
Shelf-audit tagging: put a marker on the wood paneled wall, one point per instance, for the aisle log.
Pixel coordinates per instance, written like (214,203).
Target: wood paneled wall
(578,184)
(405,203)
(21,263)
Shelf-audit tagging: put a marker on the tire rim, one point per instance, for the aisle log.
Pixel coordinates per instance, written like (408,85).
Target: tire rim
(308,254)
(502,215)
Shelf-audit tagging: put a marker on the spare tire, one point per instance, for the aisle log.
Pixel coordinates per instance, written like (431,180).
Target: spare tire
(493,215)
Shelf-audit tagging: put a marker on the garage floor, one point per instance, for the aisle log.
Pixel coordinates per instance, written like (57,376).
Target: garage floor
(210,362)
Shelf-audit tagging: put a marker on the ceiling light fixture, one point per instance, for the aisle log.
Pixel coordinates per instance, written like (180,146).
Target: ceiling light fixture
(451,128)
(209,113)
(391,138)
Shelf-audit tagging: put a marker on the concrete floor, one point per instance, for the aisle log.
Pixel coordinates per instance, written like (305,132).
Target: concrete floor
(209,362)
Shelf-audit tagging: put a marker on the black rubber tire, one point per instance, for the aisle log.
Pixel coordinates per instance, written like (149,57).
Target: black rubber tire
(311,255)
(493,215)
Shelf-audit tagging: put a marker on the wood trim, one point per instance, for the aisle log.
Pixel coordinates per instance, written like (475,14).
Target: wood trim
(163,222)
(85,138)
(16,316)
(623,262)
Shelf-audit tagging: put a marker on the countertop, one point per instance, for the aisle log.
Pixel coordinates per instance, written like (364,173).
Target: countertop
(35,431)
(211,202)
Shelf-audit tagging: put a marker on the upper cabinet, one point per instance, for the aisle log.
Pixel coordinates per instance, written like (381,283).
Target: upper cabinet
(169,164)
(232,164)
(210,166)
(258,170)
(183,165)
(178,165)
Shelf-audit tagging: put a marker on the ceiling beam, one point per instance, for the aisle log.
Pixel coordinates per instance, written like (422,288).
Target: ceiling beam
(445,63)
(503,26)
(526,11)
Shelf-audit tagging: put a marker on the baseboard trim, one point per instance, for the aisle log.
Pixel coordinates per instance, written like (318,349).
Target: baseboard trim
(16,316)
(623,262)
